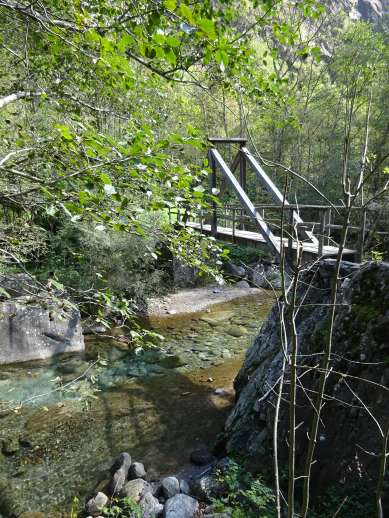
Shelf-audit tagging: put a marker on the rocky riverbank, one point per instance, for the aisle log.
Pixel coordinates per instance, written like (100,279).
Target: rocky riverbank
(140,495)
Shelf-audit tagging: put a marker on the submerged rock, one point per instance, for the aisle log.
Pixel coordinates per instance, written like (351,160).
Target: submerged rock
(201,457)
(236,331)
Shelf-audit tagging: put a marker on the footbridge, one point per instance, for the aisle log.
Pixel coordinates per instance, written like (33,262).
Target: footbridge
(278,225)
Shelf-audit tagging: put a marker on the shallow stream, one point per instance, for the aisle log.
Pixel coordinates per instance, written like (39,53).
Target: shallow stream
(160,404)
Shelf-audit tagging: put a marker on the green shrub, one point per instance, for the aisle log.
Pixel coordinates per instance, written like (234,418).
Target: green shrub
(85,259)
(123,508)
(244,495)
(244,254)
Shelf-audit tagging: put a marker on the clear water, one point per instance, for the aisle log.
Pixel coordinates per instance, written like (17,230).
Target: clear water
(158,405)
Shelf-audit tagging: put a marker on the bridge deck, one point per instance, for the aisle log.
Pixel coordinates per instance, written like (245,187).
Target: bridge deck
(256,237)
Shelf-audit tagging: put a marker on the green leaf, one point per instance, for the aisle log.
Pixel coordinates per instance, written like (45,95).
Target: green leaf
(4,293)
(64,131)
(208,27)
(316,53)
(170,4)
(186,13)
(172,41)
(105,179)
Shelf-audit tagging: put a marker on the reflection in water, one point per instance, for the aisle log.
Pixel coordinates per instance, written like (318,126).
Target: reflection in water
(158,405)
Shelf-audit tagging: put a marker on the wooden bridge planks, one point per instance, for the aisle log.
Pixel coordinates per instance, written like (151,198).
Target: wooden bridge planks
(255,237)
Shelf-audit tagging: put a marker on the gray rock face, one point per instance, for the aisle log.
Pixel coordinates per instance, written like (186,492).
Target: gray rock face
(170,487)
(361,331)
(33,328)
(370,10)
(181,506)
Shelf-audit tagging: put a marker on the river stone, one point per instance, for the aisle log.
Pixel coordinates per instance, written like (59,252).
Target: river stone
(119,472)
(96,504)
(173,361)
(236,331)
(181,506)
(136,489)
(207,487)
(184,487)
(217,318)
(201,457)
(170,487)
(150,505)
(32,329)
(137,470)
(123,460)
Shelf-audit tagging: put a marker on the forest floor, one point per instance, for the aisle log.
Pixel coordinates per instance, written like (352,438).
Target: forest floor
(197,299)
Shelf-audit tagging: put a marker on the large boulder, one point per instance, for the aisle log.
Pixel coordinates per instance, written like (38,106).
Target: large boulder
(33,328)
(360,350)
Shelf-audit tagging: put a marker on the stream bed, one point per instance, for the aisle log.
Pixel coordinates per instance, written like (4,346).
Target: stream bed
(59,436)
